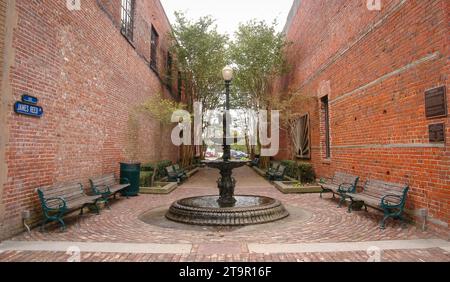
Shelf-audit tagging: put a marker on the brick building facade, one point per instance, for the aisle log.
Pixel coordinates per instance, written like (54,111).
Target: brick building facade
(369,69)
(89,73)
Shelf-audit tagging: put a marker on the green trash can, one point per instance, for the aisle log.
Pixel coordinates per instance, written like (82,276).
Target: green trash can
(130,171)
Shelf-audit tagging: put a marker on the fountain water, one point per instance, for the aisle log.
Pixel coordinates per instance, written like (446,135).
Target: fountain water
(226,209)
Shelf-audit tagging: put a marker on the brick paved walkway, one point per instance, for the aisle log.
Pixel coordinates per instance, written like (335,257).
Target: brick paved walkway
(313,220)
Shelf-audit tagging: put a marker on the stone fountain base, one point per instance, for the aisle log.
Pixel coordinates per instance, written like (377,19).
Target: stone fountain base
(247,210)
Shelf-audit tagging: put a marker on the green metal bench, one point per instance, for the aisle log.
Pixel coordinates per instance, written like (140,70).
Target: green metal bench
(278,174)
(180,171)
(107,186)
(57,201)
(341,184)
(390,197)
(273,167)
(174,175)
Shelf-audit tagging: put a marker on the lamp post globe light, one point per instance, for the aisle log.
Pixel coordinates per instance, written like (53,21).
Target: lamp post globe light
(227,73)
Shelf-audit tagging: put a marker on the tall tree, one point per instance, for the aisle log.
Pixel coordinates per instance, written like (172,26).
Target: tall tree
(201,54)
(258,54)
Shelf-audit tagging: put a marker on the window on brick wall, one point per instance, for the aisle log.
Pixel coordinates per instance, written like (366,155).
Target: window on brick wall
(326,127)
(302,138)
(127,18)
(154,49)
(169,66)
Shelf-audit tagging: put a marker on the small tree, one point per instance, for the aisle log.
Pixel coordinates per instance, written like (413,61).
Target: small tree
(160,109)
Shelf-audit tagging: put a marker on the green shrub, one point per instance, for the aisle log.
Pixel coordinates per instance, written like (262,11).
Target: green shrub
(147,167)
(303,172)
(161,168)
(306,173)
(145,178)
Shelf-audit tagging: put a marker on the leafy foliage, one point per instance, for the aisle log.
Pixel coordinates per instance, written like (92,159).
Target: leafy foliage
(302,171)
(201,52)
(161,108)
(258,56)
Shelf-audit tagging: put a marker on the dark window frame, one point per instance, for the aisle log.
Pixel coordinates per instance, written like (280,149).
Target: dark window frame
(169,71)
(154,42)
(127,8)
(326,117)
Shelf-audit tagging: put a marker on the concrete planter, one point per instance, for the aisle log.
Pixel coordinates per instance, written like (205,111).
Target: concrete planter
(160,188)
(288,187)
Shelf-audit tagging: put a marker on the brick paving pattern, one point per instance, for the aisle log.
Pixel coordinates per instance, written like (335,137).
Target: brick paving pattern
(324,223)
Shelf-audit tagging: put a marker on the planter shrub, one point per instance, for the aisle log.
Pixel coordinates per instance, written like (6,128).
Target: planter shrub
(304,172)
(146,178)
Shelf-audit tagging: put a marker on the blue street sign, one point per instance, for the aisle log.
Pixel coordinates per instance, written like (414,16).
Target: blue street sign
(29,99)
(29,110)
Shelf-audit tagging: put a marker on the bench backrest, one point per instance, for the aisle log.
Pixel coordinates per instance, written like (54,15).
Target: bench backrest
(69,192)
(379,189)
(341,178)
(274,166)
(104,180)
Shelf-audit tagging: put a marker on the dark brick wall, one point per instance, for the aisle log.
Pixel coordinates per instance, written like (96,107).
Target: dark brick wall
(375,67)
(89,79)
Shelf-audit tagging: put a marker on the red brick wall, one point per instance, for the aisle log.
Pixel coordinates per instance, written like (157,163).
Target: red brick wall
(89,80)
(375,67)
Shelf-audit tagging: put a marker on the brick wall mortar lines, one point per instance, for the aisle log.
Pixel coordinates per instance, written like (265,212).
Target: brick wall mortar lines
(89,80)
(378,124)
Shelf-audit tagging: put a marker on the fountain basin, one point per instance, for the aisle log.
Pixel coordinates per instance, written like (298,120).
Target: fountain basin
(246,210)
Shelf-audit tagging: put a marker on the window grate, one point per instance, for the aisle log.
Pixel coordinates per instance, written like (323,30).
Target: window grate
(154,49)
(127,18)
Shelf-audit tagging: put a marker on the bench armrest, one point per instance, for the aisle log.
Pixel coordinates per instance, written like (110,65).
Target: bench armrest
(385,203)
(62,203)
(103,189)
(346,187)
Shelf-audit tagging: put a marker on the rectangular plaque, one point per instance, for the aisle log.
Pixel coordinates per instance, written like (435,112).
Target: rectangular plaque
(437,133)
(436,102)
(27,109)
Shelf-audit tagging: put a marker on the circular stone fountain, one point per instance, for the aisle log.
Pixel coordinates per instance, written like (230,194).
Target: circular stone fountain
(226,209)
(247,210)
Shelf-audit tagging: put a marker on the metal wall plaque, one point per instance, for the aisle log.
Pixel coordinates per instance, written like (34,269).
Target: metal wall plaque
(437,133)
(436,102)
(27,109)
(29,99)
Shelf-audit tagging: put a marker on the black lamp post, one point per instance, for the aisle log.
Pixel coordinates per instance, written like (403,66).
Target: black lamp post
(227,74)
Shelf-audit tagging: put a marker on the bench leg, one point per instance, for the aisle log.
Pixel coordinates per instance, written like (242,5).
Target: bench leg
(97,210)
(341,201)
(63,225)
(383,222)
(349,210)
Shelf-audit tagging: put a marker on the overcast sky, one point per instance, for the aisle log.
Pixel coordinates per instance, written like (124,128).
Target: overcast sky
(231,12)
